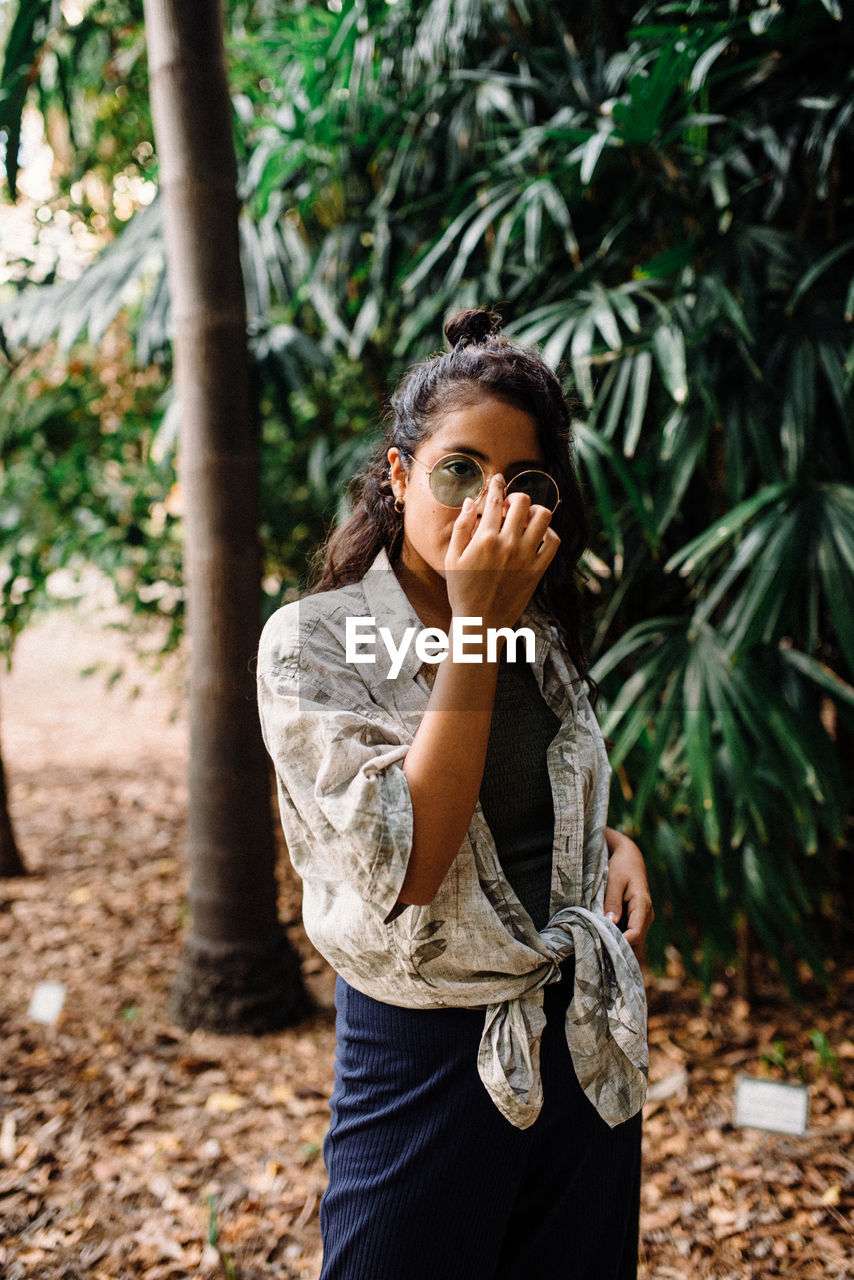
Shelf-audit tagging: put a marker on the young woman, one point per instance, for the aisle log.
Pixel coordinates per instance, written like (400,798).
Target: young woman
(443,788)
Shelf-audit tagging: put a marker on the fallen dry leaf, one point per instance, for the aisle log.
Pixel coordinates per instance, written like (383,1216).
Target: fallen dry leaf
(131,1150)
(224,1102)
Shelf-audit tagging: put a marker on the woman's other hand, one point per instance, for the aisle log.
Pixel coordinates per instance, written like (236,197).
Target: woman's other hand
(627,893)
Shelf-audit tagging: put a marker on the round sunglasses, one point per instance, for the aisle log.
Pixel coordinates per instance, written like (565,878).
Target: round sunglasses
(456,477)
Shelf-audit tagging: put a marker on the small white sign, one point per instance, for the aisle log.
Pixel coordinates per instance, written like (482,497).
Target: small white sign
(768,1104)
(46,1003)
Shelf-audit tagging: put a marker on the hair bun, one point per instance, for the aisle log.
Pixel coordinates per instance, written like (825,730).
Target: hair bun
(473,326)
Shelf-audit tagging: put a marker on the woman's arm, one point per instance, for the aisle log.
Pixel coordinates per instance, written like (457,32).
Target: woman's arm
(628,889)
(492,571)
(444,768)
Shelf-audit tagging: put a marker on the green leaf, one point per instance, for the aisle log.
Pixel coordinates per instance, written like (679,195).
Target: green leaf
(698,743)
(582,345)
(441,246)
(590,153)
(820,673)
(613,393)
(653,631)
(641,373)
(705,62)
(816,271)
(667,711)
(589,442)
(667,263)
(604,319)
(668,343)
(849,302)
(706,543)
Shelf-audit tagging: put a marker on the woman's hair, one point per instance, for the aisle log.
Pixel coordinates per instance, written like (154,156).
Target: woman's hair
(481,362)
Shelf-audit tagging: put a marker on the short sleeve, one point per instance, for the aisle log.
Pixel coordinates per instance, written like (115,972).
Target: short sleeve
(345,803)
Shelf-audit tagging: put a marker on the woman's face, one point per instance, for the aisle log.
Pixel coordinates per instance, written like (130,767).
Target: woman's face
(501,437)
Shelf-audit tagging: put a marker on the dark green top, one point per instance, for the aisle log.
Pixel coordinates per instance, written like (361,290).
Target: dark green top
(515,793)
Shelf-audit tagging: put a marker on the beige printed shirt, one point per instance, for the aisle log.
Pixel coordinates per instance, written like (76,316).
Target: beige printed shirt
(338,733)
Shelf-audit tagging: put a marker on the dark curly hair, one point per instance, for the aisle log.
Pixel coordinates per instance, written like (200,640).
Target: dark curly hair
(481,362)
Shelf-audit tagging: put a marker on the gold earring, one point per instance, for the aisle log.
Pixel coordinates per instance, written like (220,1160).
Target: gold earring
(399,505)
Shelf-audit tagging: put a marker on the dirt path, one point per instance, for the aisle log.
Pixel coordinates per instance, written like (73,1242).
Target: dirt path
(129,1148)
(54,717)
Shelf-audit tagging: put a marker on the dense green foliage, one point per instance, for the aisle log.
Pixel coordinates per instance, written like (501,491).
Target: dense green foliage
(79,485)
(662,198)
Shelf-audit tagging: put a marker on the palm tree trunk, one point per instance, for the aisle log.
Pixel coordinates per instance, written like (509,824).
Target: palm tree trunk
(238,971)
(11,862)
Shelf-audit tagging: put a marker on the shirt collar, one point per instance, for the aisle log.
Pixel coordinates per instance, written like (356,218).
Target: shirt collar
(389,605)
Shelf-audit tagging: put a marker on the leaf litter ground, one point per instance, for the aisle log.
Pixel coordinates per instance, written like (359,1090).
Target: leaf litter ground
(129,1148)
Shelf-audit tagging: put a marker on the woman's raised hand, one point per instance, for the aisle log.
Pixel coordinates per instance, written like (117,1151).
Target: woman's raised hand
(493,564)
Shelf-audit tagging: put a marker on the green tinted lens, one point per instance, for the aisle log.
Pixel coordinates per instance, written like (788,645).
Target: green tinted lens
(455,478)
(540,488)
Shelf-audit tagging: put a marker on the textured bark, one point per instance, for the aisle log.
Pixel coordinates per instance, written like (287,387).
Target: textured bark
(11,863)
(246,989)
(235,928)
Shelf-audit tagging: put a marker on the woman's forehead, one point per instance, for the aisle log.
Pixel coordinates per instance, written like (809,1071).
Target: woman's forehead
(489,430)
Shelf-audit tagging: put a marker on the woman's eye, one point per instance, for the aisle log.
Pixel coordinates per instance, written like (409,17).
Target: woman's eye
(462,468)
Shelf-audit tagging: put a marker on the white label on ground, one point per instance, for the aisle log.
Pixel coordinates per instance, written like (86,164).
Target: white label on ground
(768,1104)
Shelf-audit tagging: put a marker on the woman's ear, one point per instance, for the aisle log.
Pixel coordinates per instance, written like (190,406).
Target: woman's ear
(397,472)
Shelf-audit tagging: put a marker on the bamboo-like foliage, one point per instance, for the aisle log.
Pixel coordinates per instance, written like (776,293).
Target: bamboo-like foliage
(662,198)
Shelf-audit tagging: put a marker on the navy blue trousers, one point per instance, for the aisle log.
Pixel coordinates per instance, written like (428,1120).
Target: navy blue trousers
(428,1181)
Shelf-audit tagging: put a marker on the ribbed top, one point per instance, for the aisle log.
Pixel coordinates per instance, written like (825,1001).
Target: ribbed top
(515,793)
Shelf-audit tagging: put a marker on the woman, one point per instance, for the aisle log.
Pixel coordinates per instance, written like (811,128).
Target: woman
(445,806)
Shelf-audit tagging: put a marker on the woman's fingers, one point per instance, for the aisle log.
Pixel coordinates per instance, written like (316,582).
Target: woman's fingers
(463,529)
(493,506)
(641,916)
(627,890)
(519,524)
(516,507)
(494,562)
(539,520)
(547,549)
(539,540)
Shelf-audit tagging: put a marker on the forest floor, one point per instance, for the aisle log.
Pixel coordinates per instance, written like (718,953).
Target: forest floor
(130,1148)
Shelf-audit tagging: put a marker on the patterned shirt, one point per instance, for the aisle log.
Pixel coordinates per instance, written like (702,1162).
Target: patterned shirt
(338,733)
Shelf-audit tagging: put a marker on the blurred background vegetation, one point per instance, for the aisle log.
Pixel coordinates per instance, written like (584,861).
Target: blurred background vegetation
(661,197)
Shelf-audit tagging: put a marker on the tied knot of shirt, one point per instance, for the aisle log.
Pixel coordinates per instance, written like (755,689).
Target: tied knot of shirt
(605,1024)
